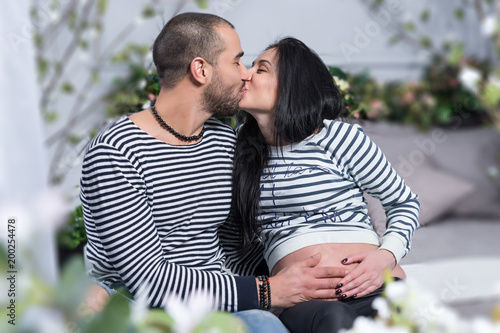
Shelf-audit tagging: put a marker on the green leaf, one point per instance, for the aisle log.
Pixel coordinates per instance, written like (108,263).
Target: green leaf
(335,71)
(42,66)
(459,13)
(394,40)
(492,95)
(74,139)
(159,319)
(114,318)
(409,26)
(72,18)
(50,116)
(34,13)
(95,76)
(148,12)
(456,54)
(425,15)
(203,4)
(84,44)
(3,258)
(67,88)
(425,42)
(220,322)
(37,39)
(55,4)
(102,6)
(72,286)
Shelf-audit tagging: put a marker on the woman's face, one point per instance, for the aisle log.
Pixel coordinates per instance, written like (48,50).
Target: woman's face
(262,85)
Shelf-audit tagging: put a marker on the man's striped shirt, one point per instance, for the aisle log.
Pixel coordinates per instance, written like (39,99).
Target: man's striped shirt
(152,213)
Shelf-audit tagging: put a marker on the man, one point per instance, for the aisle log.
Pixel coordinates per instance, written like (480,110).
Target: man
(156,186)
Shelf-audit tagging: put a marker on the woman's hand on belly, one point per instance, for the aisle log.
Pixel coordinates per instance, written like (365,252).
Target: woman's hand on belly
(367,273)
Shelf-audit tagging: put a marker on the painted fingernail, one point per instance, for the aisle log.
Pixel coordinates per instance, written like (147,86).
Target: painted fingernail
(344,260)
(340,285)
(343,296)
(354,296)
(338,291)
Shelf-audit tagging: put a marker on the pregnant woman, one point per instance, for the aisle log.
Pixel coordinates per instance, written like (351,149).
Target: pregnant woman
(298,184)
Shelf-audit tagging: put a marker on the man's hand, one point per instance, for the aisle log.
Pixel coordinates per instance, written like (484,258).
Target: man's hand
(304,281)
(95,300)
(368,275)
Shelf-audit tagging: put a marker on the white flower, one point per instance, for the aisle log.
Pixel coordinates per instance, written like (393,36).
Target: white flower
(469,77)
(382,307)
(396,291)
(54,16)
(489,25)
(141,84)
(482,325)
(364,324)
(146,105)
(188,314)
(140,306)
(342,84)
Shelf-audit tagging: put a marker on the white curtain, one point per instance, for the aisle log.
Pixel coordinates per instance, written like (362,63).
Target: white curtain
(24,192)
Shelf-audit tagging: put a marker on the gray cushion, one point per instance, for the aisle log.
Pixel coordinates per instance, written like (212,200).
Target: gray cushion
(410,152)
(471,154)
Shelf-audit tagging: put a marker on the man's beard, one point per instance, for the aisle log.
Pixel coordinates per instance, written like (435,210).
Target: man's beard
(221,100)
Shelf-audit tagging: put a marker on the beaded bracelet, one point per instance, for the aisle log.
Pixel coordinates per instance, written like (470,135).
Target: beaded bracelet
(264,292)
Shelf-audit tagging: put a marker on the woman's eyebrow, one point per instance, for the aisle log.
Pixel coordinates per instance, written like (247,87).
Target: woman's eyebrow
(263,60)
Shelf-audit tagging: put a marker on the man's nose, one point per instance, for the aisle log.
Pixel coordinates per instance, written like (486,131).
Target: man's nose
(246,75)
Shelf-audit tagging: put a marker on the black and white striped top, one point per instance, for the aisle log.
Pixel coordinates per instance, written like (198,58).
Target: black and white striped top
(152,213)
(313,194)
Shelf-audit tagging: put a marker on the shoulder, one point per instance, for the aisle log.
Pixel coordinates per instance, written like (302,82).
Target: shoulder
(113,134)
(339,131)
(219,130)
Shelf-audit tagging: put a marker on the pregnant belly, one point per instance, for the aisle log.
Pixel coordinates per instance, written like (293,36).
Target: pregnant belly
(331,256)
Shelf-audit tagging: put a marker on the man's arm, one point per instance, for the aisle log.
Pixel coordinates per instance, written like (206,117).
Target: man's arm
(119,218)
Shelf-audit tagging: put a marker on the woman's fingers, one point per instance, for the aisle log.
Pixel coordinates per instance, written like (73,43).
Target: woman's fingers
(361,290)
(354,258)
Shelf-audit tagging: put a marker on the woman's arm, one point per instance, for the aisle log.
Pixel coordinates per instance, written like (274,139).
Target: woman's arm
(367,166)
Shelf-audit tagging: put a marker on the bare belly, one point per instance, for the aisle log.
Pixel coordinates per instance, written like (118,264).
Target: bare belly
(331,256)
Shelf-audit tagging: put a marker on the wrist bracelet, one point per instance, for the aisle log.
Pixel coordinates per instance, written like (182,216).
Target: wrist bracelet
(264,292)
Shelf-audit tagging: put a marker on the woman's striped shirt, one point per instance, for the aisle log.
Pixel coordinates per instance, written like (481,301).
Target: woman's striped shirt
(152,213)
(312,193)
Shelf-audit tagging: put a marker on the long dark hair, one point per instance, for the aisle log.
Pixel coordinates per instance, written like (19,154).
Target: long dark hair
(307,95)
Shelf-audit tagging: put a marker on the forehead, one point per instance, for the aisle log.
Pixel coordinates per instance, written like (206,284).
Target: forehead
(270,55)
(231,40)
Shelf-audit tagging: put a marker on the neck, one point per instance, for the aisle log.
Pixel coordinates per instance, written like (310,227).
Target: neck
(180,110)
(266,126)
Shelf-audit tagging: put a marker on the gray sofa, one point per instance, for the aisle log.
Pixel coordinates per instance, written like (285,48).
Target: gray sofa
(455,171)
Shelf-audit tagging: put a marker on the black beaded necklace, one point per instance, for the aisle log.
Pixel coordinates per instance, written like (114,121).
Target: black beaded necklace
(171,130)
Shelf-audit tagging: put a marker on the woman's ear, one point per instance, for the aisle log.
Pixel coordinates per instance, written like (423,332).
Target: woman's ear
(200,70)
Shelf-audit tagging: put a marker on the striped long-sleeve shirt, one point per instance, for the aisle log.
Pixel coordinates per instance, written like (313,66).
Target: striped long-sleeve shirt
(152,213)
(313,194)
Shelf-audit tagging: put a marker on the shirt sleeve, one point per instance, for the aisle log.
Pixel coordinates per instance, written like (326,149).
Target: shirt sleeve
(366,165)
(119,217)
(239,262)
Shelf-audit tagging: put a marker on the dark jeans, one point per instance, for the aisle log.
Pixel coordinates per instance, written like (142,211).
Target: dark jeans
(328,316)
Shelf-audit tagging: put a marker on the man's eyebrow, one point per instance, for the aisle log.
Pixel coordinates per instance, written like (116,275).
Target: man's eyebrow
(239,55)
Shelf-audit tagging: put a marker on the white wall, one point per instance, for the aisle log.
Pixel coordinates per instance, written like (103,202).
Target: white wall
(343,32)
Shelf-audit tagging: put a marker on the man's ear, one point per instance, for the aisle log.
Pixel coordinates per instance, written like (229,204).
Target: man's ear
(200,70)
